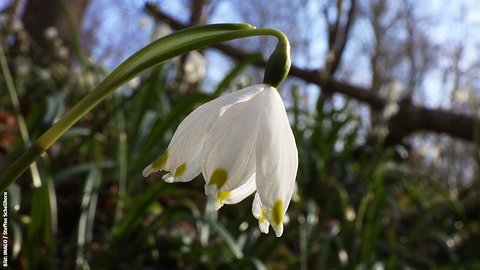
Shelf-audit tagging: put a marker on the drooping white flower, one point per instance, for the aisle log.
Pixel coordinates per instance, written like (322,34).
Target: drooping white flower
(241,143)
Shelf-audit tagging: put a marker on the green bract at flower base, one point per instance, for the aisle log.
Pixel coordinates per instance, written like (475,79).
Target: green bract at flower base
(170,46)
(278,65)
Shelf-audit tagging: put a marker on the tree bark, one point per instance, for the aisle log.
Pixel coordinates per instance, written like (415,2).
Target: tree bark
(65,15)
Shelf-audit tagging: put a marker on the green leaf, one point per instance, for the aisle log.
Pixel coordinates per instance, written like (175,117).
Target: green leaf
(89,207)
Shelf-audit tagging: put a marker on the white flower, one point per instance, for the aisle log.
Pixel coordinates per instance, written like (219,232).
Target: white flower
(390,110)
(194,67)
(50,33)
(241,143)
(17,26)
(463,94)
(63,52)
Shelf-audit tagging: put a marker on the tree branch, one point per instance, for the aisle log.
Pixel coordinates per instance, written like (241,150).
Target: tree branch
(409,119)
(340,48)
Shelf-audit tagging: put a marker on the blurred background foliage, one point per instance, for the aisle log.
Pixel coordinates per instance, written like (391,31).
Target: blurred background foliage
(372,191)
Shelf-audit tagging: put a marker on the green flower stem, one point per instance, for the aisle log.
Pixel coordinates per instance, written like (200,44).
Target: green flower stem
(157,52)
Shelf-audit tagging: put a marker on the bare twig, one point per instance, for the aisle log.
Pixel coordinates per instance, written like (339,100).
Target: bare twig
(340,47)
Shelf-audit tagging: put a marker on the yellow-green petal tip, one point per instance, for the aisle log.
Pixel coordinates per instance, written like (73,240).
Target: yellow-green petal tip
(277,212)
(180,170)
(160,163)
(218,178)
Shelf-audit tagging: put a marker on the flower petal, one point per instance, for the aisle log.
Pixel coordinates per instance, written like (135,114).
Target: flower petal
(276,159)
(230,146)
(182,158)
(258,212)
(237,195)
